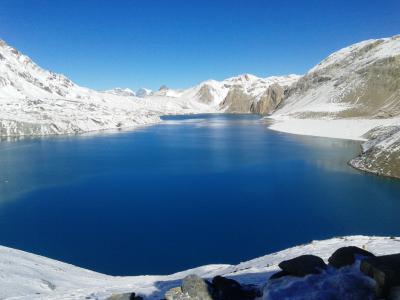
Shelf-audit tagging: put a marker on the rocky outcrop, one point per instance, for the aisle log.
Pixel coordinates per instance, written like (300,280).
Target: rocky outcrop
(204,94)
(237,101)
(381,153)
(303,265)
(195,288)
(346,256)
(269,100)
(362,80)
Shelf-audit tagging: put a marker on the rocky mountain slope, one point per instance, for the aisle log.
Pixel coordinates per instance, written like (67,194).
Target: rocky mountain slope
(34,101)
(354,93)
(360,81)
(28,276)
(240,94)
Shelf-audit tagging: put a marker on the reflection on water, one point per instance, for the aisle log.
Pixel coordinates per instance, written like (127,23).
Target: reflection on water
(191,191)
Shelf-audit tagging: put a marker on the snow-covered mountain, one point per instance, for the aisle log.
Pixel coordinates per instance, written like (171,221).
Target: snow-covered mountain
(26,276)
(143,92)
(236,94)
(34,101)
(362,80)
(121,92)
(354,93)
(126,92)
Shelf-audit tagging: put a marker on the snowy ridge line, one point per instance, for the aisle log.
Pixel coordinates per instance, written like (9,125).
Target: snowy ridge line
(28,276)
(34,101)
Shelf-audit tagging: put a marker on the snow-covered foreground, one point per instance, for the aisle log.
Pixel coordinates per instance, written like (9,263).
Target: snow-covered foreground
(28,276)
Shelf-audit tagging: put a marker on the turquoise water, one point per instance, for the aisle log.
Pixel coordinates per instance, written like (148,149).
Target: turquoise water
(193,190)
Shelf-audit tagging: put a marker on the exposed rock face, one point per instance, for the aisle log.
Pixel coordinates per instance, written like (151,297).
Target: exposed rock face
(346,256)
(221,288)
(381,154)
(193,287)
(303,265)
(269,101)
(236,102)
(204,94)
(362,80)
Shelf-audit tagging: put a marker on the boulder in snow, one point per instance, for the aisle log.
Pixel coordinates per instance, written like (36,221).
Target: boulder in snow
(229,289)
(346,256)
(303,265)
(385,270)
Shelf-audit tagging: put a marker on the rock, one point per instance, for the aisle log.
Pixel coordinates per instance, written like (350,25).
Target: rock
(269,101)
(204,95)
(196,288)
(176,294)
(346,256)
(229,289)
(127,296)
(279,274)
(236,101)
(385,270)
(303,265)
(193,288)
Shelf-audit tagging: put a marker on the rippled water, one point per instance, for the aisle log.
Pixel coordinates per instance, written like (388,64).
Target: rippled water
(190,191)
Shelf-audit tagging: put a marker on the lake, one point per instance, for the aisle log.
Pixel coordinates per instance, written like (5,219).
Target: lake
(190,191)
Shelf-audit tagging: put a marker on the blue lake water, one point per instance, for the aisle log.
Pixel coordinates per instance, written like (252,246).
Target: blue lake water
(193,190)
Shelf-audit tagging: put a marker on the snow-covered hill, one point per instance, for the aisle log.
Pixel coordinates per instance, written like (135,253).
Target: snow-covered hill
(235,94)
(362,80)
(354,91)
(354,94)
(143,92)
(121,92)
(34,101)
(28,276)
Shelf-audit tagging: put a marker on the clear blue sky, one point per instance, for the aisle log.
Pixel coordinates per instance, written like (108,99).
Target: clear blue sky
(104,44)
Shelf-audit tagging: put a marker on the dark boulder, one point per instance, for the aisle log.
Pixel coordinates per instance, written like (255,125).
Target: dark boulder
(279,274)
(385,270)
(346,256)
(229,289)
(303,265)
(127,296)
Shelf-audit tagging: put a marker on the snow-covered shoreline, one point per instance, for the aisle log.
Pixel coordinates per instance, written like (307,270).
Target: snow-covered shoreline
(26,276)
(349,129)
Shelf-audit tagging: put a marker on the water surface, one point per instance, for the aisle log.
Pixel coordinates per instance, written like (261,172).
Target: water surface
(193,190)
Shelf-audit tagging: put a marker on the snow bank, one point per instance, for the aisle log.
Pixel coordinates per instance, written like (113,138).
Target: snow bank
(351,129)
(27,276)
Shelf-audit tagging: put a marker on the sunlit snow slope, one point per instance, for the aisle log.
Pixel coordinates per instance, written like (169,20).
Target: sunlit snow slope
(28,276)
